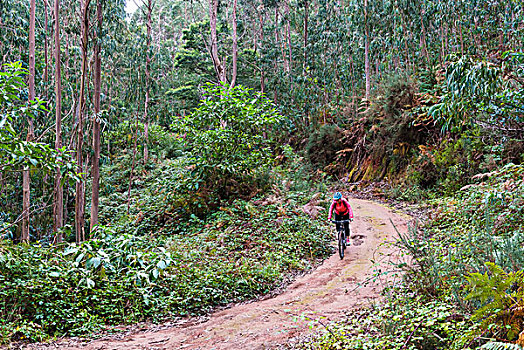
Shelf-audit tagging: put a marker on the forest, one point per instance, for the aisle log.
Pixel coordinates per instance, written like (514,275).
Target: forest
(163,163)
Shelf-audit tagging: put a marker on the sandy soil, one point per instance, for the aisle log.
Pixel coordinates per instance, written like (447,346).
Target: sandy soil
(323,295)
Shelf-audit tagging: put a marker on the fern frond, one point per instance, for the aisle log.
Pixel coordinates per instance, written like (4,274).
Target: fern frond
(500,346)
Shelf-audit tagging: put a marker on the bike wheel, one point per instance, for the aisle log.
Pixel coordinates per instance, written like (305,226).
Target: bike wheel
(341,244)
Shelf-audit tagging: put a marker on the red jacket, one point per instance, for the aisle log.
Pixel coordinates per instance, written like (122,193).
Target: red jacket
(341,208)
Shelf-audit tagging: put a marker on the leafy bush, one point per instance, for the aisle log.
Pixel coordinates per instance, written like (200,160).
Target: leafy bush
(230,139)
(481,224)
(403,322)
(239,252)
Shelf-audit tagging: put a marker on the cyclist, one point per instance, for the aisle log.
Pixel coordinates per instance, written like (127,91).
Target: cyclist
(342,211)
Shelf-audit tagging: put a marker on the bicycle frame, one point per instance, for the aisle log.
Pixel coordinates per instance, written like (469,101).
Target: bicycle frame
(341,236)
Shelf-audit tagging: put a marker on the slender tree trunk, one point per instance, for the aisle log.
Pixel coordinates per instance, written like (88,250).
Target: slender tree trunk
(58,208)
(96,121)
(80,190)
(366,51)
(26,178)
(46,59)
(442,48)
(219,68)
(261,31)
(446,42)
(132,165)
(235,49)
(306,20)
(148,80)
(283,49)
(423,37)
(461,39)
(288,33)
(275,60)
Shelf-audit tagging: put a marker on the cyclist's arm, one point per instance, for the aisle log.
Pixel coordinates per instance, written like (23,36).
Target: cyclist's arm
(331,210)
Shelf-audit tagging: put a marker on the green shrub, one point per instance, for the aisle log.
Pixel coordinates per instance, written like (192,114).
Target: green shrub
(230,139)
(241,251)
(403,322)
(480,226)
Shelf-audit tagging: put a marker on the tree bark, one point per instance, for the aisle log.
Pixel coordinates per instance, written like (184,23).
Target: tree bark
(96,121)
(148,80)
(235,48)
(46,69)
(58,207)
(132,165)
(461,39)
(80,190)
(26,178)
(288,34)
(366,51)
(306,20)
(262,71)
(423,37)
(219,68)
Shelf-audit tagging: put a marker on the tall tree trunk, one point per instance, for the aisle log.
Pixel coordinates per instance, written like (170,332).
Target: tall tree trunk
(366,51)
(148,80)
(306,20)
(282,44)
(235,49)
(80,190)
(46,59)
(461,39)
(288,34)
(95,172)
(132,164)
(423,37)
(58,207)
(262,71)
(219,68)
(26,178)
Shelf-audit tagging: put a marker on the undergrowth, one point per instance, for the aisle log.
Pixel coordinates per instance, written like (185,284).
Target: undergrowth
(463,288)
(406,321)
(238,253)
(170,256)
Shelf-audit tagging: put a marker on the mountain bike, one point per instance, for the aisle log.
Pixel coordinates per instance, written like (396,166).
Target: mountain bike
(341,236)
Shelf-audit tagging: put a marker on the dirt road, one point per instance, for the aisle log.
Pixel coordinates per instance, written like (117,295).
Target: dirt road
(324,294)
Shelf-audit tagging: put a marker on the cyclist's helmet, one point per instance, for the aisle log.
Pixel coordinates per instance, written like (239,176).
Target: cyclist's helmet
(337,195)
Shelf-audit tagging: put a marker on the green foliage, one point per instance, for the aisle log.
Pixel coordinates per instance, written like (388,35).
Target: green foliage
(240,252)
(482,93)
(15,152)
(500,346)
(162,144)
(470,85)
(481,225)
(404,322)
(502,298)
(231,137)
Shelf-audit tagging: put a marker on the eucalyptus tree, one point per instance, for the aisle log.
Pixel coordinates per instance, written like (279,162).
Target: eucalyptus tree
(80,185)
(149,8)
(58,207)
(30,129)
(95,170)
(235,45)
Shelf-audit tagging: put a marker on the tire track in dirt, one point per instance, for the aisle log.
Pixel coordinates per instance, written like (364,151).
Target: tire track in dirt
(324,294)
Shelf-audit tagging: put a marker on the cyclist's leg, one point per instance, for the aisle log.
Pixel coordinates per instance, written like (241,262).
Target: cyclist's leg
(346,225)
(337,218)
